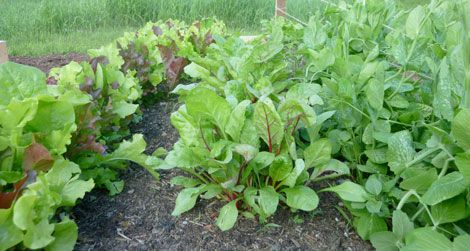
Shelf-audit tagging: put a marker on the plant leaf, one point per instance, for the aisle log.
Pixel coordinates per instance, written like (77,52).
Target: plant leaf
(426,239)
(318,153)
(10,235)
(442,98)
(445,188)
(268,123)
(401,224)
(350,191)
(375,94)
(461,243)
(291,180)
(281,167)
(186,200)
(373,185)
(367,225)
(65,236)
(384,241)
(268,200)
(39,235)
(228,216)
(400,151)
(212,107)
(413,22)
(451,210)
(463,164)
(20,82)
(460,129)
(301,197)
(237,120)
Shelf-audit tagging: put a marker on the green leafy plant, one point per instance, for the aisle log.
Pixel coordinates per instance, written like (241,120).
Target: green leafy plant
(390,86)
(102,122)
(81,113)
(245,154)
(396,82)
(157,54)
(366,89)
(35,180)
(38,130)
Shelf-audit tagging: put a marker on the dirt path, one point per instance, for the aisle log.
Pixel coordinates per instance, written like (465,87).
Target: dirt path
(139,218)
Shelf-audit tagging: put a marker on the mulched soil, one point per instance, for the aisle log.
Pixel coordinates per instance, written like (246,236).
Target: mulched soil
(46,63)
(139,218)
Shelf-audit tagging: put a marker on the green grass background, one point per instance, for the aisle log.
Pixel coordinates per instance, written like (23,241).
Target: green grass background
(39,27)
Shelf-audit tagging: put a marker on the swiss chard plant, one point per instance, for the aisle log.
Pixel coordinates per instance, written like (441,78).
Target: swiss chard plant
(246,155)
(241,70)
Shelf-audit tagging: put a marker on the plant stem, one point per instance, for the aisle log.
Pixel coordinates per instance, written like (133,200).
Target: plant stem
(421,156)
(204,139)
(445,167)
(192,172)
(403,79)
(405,198)
(421,209)
(410,54)
(209,177)
(295,125)
(268,128)
(240,172)
(352,106)
(399,123)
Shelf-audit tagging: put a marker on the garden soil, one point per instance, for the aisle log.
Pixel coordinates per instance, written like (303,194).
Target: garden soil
(140,217)
(46,63)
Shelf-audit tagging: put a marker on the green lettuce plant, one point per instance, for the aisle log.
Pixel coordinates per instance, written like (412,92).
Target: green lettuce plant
(38,142)
(158,52)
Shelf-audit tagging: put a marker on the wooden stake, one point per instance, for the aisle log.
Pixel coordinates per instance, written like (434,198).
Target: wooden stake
(280,8)
(3,52)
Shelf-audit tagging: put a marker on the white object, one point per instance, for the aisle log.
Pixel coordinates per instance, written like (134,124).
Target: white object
(3,52)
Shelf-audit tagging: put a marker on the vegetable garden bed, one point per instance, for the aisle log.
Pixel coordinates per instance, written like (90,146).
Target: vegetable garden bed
(366,101)
(142,214)
(139,218)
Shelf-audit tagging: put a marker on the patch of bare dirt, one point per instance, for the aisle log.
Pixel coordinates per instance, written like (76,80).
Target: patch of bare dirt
(46,63)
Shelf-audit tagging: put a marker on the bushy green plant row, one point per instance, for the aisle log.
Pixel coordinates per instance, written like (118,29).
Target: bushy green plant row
(62,135)
(367,91)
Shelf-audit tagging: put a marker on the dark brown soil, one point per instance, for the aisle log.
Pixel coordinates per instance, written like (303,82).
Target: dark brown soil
(46,63)
(139,218)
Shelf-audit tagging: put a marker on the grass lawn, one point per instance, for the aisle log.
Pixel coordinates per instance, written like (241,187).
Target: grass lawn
(39,27)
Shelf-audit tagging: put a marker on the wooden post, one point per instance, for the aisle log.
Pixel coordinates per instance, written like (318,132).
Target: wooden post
(3,52)
(280,8)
